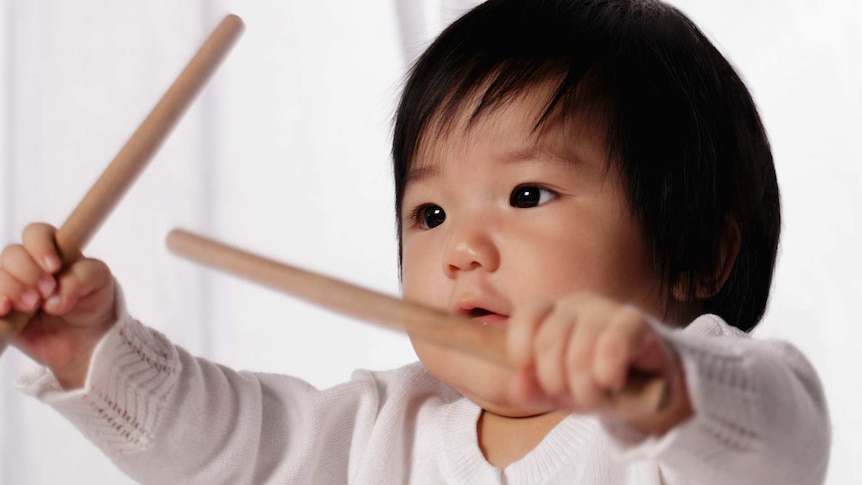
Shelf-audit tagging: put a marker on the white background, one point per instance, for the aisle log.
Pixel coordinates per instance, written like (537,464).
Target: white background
(287,154)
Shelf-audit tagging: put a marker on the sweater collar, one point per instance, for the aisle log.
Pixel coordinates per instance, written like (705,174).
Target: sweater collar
(463,462)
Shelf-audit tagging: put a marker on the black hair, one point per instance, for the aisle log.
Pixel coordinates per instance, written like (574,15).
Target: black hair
(682,130)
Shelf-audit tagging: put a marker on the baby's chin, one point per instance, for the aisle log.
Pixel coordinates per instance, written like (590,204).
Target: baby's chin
(504,405)
(486,384)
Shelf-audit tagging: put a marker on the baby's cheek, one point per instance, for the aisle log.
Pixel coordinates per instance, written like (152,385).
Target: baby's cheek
(434,358)
(421,284)
(415,271)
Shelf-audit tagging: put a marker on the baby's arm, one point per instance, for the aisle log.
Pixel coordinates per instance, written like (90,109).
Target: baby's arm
(160,414)
(741,411)
(164,416)
(760,411)
(75,307)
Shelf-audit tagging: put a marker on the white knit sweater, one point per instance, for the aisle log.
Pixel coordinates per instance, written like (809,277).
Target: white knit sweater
(166,417)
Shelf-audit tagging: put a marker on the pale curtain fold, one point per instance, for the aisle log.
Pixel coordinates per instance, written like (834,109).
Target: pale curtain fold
(78,77)
(287,153)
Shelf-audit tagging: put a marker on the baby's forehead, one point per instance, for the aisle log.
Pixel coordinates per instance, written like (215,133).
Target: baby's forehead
(517,129)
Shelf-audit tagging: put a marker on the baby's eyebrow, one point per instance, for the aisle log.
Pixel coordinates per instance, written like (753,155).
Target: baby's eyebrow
(418,174)
(536,152)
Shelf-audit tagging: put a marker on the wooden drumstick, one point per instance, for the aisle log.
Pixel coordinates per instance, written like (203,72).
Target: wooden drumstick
(341,297)
(104,195)
(488,342)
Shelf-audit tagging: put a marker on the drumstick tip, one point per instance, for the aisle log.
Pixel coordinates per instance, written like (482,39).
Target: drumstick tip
(234,20)
(174,238)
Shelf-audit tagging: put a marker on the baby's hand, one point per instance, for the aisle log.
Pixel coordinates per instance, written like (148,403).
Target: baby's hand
(77,304)
(575,354)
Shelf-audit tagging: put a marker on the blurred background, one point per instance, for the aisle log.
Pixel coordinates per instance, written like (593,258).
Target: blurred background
(286,153)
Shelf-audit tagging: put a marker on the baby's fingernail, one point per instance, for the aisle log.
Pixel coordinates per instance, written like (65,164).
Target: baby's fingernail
(46,286)
(53,302)
(52,263)
(29,298)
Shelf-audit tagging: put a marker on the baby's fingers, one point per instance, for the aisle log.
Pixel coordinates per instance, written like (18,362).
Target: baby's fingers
(38,239)
(82,280)
(15,296)
(16,261)
(551,343)
(522,332)
(621,346)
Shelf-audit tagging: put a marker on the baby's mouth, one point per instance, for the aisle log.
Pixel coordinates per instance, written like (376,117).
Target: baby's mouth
(486,317)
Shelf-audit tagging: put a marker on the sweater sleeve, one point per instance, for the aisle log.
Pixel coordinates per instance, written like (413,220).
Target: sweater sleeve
(760,414)
(165,417)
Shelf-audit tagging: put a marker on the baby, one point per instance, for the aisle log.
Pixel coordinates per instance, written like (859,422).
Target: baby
(592,177)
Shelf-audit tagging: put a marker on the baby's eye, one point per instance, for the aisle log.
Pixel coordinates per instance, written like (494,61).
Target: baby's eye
(526,196)
(429,216)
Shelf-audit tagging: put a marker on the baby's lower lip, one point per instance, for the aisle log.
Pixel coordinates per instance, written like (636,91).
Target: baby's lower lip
(491,319)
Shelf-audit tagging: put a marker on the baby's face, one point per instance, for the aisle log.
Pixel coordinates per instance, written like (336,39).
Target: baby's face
(496,217)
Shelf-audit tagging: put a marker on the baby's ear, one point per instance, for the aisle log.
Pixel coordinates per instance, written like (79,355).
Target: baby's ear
(710,284)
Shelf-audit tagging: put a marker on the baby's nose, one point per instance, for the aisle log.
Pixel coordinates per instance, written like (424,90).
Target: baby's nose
(470,247)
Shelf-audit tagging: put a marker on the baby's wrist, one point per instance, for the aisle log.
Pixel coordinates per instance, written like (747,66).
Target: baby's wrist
(677,412)
(72,377)
(72,372)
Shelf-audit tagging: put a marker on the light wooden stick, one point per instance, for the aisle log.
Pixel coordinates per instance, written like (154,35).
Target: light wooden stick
(488,342)
(345,298)
(104,195)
